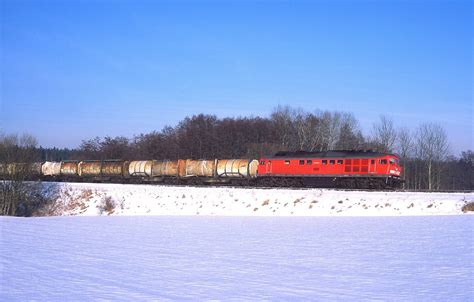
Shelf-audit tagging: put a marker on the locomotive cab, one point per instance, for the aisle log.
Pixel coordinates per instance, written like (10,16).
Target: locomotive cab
(394,165)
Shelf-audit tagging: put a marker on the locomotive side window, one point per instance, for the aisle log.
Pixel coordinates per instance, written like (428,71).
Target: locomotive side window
(324,162)
(372,162)
(301,161)
(262,162)
(383,161)
(332,162)
(340,161)
(309,162)
(287,162)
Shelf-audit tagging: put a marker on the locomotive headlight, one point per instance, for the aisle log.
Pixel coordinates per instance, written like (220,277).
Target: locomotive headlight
(396,172)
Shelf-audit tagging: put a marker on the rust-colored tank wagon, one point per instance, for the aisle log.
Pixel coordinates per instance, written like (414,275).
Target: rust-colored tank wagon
(115,168)
(26,169)
(165,168)
(140,168)
(181,167)
(90,168)
(51,168)
(69,168)
(236,168)
(199,168)
(13,168)
(4,169)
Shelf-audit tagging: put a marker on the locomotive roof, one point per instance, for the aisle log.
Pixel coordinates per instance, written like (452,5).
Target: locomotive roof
(333,153)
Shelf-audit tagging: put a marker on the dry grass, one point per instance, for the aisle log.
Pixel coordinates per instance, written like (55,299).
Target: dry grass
(68,202)
(107,205)
(468,207)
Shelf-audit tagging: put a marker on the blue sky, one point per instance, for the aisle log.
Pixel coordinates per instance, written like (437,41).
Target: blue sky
(72,70)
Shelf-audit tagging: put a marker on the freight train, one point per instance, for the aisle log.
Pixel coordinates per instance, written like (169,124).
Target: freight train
(340,169)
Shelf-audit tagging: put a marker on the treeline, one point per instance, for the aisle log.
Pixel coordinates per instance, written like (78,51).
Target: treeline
(206,136)
(424,151)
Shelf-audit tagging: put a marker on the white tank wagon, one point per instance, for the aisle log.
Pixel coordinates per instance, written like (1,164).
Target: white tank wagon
(51,168)
(157,168)
(141,168)
(236,168)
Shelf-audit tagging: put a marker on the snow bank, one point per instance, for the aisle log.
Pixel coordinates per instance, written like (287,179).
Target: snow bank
(117,199)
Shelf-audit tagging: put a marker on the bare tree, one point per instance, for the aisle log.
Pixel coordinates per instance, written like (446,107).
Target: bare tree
(330,130)
(307,128)
(384,134)
(17,154)
(433,148)
(115,148)
(405,151)
(350,136)
(90,149)
(405,143)
(321,131)
(283,118)
(313,126)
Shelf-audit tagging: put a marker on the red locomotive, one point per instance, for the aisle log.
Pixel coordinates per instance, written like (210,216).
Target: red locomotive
(345,169)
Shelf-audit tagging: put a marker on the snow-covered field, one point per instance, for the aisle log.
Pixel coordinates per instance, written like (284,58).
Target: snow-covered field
(415,258)
(91,200)
(188,243)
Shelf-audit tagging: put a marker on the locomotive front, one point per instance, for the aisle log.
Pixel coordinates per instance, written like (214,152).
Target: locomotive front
(395,168)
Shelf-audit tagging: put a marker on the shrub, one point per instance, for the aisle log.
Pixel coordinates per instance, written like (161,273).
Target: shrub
(107,204)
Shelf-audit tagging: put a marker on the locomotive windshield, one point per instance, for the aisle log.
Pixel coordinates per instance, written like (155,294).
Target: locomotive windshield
(394,161)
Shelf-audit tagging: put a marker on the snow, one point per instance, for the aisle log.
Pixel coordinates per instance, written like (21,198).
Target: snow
(203,243)
(88,200)
(416,258)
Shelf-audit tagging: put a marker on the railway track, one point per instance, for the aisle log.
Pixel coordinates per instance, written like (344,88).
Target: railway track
(248,187)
